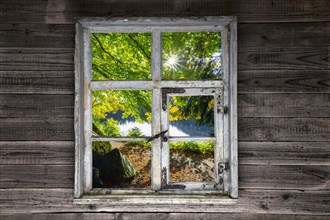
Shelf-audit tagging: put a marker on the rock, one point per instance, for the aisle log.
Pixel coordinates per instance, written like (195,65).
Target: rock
(114,167)
(97,182)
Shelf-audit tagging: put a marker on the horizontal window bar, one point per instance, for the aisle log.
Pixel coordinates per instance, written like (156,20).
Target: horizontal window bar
(191,138)
(148,85)
(118,85)
(120,138)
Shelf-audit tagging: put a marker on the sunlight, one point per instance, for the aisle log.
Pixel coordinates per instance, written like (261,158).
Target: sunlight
(172,61)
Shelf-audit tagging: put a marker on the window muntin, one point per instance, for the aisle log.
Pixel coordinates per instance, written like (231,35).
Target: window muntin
(224,181)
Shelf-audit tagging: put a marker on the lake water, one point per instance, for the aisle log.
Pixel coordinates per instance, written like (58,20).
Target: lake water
(176,129)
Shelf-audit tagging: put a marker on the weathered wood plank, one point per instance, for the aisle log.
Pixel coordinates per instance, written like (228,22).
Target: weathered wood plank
(284,153)
(283,129)
(39,176)
(64,11)
(250,129)
(274,35)
(283,81)
(37,82)
(309,34)
(302,177)
(37,35)
(24,201)
(36,106)
(25,129)
(62,82)
(284,105)
(14,59)
(37,152)
(284,177)
(26,59)
(253,153)
(162,216)
(285,58)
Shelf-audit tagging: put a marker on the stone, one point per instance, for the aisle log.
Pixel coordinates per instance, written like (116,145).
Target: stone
(114,167)
(97,182)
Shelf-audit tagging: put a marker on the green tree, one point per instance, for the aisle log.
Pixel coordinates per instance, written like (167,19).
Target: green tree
(127,56)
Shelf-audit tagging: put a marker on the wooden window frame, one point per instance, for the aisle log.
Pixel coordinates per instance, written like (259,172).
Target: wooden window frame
(226,135)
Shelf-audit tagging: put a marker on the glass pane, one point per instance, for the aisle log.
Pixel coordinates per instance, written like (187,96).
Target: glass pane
(191,56)
(121,113)
(191,116)
(121,165)
(121,56)
(191,161)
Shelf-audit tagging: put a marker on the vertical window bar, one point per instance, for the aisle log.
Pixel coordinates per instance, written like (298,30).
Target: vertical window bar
(88,110)
(156,65)
(225,59)
(165,148)
(218,132)
(233,114)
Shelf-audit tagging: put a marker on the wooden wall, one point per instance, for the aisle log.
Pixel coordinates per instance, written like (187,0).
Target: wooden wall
(283,105)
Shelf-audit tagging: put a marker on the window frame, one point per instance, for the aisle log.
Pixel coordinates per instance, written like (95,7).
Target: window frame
(84,86)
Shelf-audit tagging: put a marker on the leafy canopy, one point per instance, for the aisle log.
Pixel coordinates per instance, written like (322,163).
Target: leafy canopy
(127,56)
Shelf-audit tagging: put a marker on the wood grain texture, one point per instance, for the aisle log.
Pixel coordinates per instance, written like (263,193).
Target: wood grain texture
(36,176)
(284,177)
(37,152)
(254,81)
(64,11)
(284,121)
(283,129)
(24,201)
(284,105)
(14,59)
(161,216)
(284,58)
(302,177)
(305,34)
(253,153)
(275,35)
(36,106)
(284,81)
(26,59)
(37,35)
(284,153)
(37,129)
(249,129)
(37,82)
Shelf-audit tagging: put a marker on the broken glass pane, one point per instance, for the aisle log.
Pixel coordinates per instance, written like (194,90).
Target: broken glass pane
(191,55)
(121,56)
(121,113)
(191,161)
(191,116)
(121,164)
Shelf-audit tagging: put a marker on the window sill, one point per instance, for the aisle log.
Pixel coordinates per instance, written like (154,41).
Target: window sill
(156,199)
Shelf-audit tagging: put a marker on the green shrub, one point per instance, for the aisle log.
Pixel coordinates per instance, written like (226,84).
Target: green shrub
(202,147)
(136,132)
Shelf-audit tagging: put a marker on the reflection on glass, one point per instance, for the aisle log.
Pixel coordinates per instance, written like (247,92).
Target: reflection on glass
(121,113)
(191,116)
(121,165)
(191,56)
(121,56)
(191,161)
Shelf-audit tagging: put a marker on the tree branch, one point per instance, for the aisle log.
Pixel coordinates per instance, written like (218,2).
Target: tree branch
(139,46)
(105,51)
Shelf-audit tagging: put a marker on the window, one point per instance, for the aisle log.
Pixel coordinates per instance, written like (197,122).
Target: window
(155,108)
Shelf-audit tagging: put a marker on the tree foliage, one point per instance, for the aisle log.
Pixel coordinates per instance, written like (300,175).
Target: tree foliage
(127,56)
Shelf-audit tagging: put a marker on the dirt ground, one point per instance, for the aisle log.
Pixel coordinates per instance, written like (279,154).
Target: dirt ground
(185,166)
